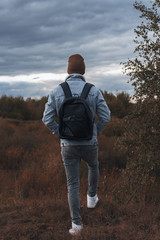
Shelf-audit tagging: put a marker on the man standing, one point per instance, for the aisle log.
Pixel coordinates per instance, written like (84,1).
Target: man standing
(74,150)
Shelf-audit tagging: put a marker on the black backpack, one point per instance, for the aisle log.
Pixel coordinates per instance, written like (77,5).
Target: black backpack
(75,117)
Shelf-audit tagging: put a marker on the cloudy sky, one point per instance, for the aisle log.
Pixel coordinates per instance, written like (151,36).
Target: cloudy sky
(37,37)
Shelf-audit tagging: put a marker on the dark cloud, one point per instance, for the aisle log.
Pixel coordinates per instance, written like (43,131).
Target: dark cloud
(38,36)
(35,90)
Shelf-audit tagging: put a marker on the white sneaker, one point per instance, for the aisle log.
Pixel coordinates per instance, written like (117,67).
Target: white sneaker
(75,229)
(92,201)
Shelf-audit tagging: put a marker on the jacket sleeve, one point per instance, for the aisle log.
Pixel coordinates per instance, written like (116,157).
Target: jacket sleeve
(49,115)
(102,112)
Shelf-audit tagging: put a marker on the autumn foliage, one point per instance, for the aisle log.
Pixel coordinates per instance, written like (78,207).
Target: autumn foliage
(31,109)
(18,108)
(33,194)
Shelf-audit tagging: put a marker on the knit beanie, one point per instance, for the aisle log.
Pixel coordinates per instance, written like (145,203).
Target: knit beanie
(76,64)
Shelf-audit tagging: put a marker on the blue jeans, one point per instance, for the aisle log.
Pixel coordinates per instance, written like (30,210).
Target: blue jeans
(71,157)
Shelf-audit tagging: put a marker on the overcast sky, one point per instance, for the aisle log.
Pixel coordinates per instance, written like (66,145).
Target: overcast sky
(37,37)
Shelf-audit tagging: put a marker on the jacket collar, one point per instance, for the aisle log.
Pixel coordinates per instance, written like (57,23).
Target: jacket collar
(77,76)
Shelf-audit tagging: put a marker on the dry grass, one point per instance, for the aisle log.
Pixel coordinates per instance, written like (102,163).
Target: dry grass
(33,194)
(48,218)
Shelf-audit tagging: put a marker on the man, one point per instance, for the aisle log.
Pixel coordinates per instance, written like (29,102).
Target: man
(73,151)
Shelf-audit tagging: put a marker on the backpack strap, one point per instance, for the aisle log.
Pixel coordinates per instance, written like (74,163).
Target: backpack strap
(66,89)
(68,93)
(86,90)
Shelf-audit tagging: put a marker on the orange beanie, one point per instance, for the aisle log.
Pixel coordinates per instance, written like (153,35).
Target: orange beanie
(76,64)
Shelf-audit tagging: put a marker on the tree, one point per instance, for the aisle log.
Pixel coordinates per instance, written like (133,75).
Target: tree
(119,105)
(144,70)
(142,127)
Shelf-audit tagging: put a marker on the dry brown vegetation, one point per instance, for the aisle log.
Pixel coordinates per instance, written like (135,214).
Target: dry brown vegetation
(33,194)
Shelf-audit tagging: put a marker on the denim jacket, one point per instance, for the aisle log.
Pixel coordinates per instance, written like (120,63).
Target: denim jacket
(95,101)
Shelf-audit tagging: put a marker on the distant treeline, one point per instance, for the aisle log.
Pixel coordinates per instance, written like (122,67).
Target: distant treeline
(32,109)
(18,108)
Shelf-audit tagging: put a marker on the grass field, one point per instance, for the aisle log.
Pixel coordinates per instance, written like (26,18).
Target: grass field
(33,194)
